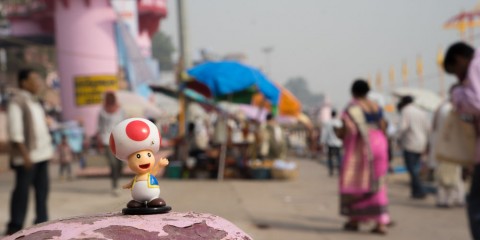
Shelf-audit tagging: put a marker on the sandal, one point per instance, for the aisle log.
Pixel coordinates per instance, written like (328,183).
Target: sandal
(379,231)
(351,227)
(391,224)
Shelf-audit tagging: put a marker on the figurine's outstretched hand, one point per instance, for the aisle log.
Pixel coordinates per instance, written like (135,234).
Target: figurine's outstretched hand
(163,162)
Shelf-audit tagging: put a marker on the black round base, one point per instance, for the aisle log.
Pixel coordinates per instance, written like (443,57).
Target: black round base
(147,210)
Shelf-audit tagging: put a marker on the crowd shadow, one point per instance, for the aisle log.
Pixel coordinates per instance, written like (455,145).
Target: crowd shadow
(315,225)
(336,221)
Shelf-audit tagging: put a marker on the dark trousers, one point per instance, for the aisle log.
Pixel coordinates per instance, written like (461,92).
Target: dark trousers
(38,177)
(81,159)
(116,167)
(65,167)
(473,204)
(334,153)
(413,164)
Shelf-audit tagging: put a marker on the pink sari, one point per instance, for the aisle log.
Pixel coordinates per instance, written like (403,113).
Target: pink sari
(363,191)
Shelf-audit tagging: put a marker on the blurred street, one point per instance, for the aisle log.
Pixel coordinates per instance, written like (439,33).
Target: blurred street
(306,208)
(292,120)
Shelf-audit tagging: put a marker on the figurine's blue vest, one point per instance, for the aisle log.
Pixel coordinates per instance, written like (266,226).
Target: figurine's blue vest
(152,181)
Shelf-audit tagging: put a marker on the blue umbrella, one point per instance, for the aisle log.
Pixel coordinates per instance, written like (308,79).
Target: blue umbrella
(228,77)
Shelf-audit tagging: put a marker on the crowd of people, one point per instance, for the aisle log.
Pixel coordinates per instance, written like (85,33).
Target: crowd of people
(357,143)
(247,142)
(444,147)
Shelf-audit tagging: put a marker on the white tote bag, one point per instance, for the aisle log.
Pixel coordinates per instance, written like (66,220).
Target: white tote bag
(455,141)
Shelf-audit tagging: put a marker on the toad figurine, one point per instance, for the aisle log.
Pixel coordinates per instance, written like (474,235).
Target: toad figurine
(136,141)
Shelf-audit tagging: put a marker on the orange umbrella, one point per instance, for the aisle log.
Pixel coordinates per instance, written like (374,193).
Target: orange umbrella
(463,21)
(288,104)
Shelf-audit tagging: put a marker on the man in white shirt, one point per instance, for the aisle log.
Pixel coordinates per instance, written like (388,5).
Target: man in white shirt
(334,144)
(274,137)
(31,150)
(413,130)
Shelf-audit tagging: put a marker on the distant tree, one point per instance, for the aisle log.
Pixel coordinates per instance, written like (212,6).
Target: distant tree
(299,87)
(162,50)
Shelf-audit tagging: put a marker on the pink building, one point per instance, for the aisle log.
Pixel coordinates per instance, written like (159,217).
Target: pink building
(84,36)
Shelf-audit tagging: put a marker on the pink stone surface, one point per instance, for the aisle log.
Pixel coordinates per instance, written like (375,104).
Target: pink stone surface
(173,225)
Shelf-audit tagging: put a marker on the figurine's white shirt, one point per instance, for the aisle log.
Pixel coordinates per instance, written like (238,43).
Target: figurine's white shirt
(145,191)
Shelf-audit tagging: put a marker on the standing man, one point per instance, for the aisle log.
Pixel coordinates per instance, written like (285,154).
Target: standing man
(31,150)
(273,136)
(413,130)
(334,144)
(463,61)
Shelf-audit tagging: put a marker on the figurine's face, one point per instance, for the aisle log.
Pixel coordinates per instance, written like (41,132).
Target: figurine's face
(141,162)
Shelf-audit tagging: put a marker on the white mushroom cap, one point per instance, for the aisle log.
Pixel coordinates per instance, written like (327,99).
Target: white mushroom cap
(133,135)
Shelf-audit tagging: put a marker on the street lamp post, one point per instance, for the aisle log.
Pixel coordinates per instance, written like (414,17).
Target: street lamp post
(267,51)
(184,63)
(183,34)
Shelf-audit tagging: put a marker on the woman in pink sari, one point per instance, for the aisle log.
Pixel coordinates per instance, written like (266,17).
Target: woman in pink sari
(363,190)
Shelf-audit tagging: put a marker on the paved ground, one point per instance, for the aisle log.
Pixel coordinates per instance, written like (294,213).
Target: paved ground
(306,208)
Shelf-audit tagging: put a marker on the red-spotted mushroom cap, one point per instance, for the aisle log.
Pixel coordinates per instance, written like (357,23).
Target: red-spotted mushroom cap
(133,135)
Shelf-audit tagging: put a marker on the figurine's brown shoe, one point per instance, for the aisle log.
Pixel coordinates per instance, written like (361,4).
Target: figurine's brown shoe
(157,202)
(134,204)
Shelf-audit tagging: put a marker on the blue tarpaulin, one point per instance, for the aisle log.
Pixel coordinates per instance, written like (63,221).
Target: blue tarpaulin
(228,77)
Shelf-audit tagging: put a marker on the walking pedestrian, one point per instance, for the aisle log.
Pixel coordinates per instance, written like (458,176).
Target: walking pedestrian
(110,115)
(31,150)
(274,138)
(463,61)
(413,134)
(363,189)
(448,175)
(65,155)
(332,142)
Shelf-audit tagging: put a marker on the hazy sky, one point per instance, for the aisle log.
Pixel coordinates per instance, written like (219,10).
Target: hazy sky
(328,42)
